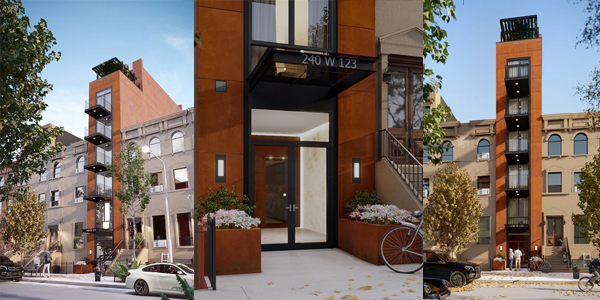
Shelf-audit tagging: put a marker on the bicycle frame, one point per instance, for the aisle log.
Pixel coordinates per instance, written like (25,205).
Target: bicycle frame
(418,230)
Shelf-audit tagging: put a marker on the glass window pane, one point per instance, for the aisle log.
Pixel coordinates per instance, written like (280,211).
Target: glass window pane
(417,86)
(181,178)
(311,23)
(576,178)
(483,147)
(554,145)
(185,230)
(580,144)
(78,236)
(178,142)
(554,182)
(270,21)
(155,146)
(397,100)
(447,155)
(158,227)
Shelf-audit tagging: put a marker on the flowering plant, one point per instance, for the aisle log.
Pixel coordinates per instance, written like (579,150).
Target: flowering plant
(81,263)
(536,259)
(232,219)
(499,257)
(382,214)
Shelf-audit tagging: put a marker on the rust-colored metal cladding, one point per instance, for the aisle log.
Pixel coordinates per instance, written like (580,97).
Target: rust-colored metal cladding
(238,251)
(362,239)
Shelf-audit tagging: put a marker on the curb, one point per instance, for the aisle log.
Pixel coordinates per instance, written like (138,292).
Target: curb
(526,282)
(92,284)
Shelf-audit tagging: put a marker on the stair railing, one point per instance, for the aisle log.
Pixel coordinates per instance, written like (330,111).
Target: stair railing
(402,161)
(568,253)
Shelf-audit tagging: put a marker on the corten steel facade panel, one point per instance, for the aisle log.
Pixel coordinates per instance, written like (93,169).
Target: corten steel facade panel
(532,49)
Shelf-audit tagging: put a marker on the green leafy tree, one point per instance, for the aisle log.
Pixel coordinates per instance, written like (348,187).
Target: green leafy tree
(25,146)
(135,183)
(435,47)
(22,228)
(589,202)
(451,216)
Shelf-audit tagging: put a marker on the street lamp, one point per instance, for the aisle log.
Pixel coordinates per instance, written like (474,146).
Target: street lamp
(146,149)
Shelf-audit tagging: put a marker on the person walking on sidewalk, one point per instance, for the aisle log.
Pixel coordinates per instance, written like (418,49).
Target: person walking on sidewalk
(517,255)
(47,261)
(593,269)
(511,257)
(36,265)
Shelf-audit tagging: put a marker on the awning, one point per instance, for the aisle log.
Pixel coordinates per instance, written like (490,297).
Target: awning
(303,77)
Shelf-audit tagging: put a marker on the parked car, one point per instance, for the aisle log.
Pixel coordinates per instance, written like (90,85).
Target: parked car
(159,277)
(434,288)
(456,273)
(9,270)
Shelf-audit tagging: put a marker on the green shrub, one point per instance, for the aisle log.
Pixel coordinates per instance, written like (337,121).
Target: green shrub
(222,198)
(88,261)
(121,269)
(188,291)
(361,198)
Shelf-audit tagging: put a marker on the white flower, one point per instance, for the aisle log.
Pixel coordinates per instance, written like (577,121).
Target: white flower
(383,214)
(233,218)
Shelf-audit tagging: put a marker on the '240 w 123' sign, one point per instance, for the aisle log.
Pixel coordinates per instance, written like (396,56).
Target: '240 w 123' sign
(329,61)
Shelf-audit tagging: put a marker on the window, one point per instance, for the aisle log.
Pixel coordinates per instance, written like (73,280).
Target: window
(181,178)
(79,192)
(576,180)
(483,236)
(578,237)
(78,236)
(518,68)
(270,21)
(79,166)
(158,226)
(483,149)
(185,229)
(57,169)
(580,145)
(42,197)
(155,147)
(483,185)
(518,211)
(43,176)
(104,212)
(425,155)
(554,182)
(448,153)
(55,195)
(425,187)
(554,145)
(177,142)
(157,182)
(397,100)
(153,268)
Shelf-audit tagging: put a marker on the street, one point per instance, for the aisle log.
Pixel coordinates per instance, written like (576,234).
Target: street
(522,291)
(42,291)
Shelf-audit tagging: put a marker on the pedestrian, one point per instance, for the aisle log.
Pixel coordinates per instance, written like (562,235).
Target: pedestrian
(511,258)
(518,255)
(593,269)
(36,265)
(47,261)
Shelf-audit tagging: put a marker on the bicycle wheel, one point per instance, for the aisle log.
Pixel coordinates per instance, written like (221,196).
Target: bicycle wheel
(585,284)
(399,252)
(531,266)
(546,267)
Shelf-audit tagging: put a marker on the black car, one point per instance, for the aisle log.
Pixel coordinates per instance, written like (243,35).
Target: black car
(9,270)
(456,273)
(434,288)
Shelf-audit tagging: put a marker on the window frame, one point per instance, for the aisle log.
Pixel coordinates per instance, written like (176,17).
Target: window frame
(77,161)
(173,138)
(575,142)
(556,190)
(81,237)
(187,182)
(154,228)
(56,166)
(489,237)
(559,142)
(55,198)
(190,225)
(449,150)
(576,185)
(579,237)
(151,144)
(480,182)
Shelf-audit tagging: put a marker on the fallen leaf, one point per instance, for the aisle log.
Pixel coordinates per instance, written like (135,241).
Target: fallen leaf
(313,294)
(369,276)
(270,283)
(350,279)
(350,297)
(337,292)
(365,288)
(329,298)
(380,284)
(412,291)
(318,292)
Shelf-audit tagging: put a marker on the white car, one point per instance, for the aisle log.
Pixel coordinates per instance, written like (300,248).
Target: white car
(158,277)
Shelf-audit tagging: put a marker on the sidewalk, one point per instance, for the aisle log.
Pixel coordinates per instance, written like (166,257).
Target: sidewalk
(528,277)
(78,279)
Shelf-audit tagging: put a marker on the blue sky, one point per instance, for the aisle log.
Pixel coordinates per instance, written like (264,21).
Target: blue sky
(90,32)
(469,74)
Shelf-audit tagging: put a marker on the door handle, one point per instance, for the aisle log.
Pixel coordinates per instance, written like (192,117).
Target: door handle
(291,208)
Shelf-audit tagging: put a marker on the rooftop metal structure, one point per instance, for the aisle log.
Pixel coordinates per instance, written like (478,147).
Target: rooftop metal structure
(519,28)
(110,66)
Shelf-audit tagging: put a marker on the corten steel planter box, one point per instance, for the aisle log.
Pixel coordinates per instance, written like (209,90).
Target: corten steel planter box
(238,251)
(362,239)
(499,265)
(83,269)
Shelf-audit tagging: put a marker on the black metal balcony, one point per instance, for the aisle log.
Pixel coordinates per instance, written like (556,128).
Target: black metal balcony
(517,224)
(99,163)
(101,108)
(99,135)
(98,193)
(517,151)
(517,185)
(517,80)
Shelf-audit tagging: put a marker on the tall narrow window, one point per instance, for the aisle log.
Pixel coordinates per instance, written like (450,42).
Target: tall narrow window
(554,182)
(580,144)
(42,197)
(417,91)
(79,165)
(554,145)
(185,230)
(55,195)
(448,153)
(483,149)
(57,169)
(311,23)
(270,21)
(158,227)
(483,236)
(157,182)
(181,178)
(155,147)
(483,185)
(578,237)
(78,236)
(79,193)
(178,142)
(426,187)
(397,100)
(576,180)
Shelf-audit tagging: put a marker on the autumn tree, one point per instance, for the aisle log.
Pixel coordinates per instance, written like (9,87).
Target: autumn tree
(451,215)
(589,202)
(135,183)
(435,47)
(25,146)
(22,228)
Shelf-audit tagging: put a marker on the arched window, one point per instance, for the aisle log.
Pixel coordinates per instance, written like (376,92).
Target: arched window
(79,166)
(448,153)
(155,146)
(483,149)
(581,143)
(57,169)
(177,142)
(555,145)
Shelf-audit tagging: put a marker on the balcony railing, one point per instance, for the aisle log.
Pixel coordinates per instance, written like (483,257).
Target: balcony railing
(101,158)
(517,181)
(98,192)
(100,128)
(518,220)
(518,145)
(516,107)
(105,101)
(517,71)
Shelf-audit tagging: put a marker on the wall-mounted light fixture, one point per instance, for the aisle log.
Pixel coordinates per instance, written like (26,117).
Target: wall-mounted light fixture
(356,167)
(387,76)
(220,163)
(500,248)
(536,248)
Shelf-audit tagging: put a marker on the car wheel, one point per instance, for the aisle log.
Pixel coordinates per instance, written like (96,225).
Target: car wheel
(141,287)
(458,279)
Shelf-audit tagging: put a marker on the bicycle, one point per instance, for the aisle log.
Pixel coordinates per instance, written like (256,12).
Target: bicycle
(586,284)
(542,265)
(401,247)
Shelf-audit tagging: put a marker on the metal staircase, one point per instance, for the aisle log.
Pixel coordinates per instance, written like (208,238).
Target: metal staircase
(403,162)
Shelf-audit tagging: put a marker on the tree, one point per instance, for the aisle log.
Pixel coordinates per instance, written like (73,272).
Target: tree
(22,228)
(435,47)
(25,146)
(589,202)
(451,216)
(134,189)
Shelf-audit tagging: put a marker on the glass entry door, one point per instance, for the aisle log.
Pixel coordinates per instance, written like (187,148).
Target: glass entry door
(290,194)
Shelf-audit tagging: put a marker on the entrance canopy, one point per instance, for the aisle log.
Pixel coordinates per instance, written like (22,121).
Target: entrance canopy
(301,77)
